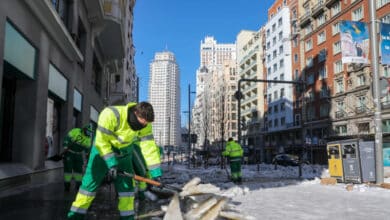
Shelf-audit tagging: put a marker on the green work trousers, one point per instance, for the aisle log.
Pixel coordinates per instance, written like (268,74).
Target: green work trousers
(235,168)
(93,177)
(73,168)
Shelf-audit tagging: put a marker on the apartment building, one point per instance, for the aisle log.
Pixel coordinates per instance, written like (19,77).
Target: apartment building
(56,56)
(206,120)
(281,119)
(338,97)
(164,95)
(250,64)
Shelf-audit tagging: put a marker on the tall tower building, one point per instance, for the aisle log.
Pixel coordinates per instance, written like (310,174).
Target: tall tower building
(164,95)
(206,118)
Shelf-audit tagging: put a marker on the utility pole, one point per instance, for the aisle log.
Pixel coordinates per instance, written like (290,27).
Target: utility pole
(376,89)
(189,125)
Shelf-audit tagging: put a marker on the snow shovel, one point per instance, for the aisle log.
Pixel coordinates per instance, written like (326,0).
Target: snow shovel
(151,182)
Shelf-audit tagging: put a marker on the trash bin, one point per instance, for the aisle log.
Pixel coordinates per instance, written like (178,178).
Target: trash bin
(335,162)
(351,161)
(367,161)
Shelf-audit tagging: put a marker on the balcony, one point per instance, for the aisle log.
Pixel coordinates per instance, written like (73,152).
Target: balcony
(361,109)
(111,38)
(329,3)
(95,11)
(318,8)
(305,19)
(340,114)
(385,105)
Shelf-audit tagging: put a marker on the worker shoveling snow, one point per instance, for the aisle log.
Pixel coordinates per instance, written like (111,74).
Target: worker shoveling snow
(204,202)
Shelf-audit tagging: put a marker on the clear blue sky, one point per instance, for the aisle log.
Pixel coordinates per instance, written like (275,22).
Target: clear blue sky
(180,25)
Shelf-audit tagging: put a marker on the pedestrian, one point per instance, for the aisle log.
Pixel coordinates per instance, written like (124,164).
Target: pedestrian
(77,145)
(234,152)
(118,129)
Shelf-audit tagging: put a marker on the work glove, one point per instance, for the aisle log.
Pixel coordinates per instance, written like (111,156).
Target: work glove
(112,173)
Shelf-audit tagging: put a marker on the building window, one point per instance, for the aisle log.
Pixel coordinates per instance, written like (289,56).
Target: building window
(281,63)
(275,67)
(268,32)
(341,129)
(276,109)
(273,41)
(357,14)
(273,28)
(380,3)
(336,28)
(386,19)
(282,106)
(276,122)
(321,37)
(309,62)
(281,49)
(282,77)
(386,71)
(339,86)
(322,72)
(361,102)
(322,55)
(321,19)
(282,121)
(325,92)
(280,22)
(308,45)
(361,80)
(324,110)
(336,8)
(295,58)
(268,45)
(338,66)
(280,36)
(336,47)
(296,74)
(308,29)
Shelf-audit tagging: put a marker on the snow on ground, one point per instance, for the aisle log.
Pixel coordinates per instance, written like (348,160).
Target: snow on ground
(269,193)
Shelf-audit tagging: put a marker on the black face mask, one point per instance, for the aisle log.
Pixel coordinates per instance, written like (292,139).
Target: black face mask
(133,121)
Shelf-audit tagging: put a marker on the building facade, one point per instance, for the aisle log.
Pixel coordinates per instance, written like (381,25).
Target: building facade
(250,64)
(338,98)
(54,77)
(164,95)
(206,122)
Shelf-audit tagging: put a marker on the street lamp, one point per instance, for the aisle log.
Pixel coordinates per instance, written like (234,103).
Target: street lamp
(189,123)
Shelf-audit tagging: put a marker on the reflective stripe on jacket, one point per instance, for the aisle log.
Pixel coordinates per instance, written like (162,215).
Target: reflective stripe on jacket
(113,131)
(149,148)
(233,149)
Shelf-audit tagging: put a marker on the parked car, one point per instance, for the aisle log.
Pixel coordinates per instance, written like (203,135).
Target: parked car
(287,160)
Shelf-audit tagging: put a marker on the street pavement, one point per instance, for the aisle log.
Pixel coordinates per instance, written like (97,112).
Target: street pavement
(50,202)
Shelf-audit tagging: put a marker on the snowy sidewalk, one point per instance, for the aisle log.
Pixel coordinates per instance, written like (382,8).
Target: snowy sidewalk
(309,200)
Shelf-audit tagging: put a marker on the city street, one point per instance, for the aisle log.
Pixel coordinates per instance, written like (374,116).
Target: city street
(271,194)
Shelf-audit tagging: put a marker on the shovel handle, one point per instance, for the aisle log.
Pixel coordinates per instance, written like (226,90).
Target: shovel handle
(146,180)
(142,179)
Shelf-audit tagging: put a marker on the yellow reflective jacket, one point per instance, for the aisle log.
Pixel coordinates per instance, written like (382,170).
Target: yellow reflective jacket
(114,132)
(150,151)
(233,149)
